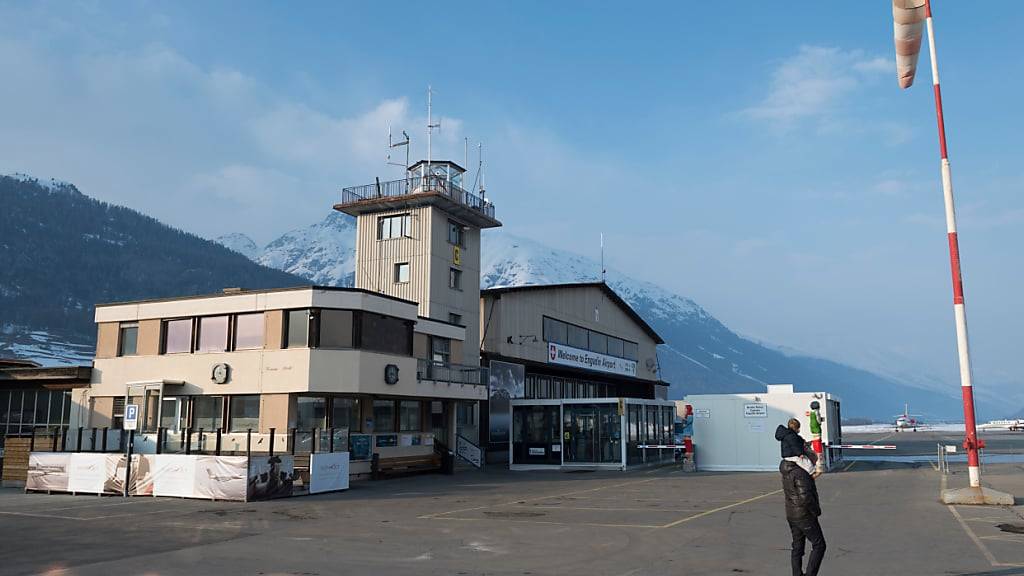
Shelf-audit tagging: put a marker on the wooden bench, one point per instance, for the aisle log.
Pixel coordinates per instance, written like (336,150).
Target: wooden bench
(404,465)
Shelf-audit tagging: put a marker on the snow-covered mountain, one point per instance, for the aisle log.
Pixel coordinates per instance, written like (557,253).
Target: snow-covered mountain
(700,355)
(324,253)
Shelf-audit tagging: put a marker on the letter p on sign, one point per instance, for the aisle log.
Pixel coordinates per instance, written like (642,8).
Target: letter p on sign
(131,417)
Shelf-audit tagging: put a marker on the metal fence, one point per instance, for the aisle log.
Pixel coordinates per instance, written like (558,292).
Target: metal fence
(452,373)
(417,185)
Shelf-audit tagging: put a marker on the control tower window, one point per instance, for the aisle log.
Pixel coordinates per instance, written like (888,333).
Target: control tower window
(396,226)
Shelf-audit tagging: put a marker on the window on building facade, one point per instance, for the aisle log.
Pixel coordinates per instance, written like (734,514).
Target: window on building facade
(21,411)
(208,412)
(177,336)
(310,412)
(213,334)
(128,339)
(556,331)
(440,349)
(456,233)
(345,414)
(249,331)
(297,330)
(245,413)
(630,350)
(455,318)
(397,226)
(409,412)
(385,334)
(578,337)
(614,346)
(455,279)
(598,343)
(383,416)
(336,329)
(402,272)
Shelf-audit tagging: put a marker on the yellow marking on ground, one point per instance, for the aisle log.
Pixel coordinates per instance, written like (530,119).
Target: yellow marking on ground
(539,498)
(851,465)
(720,508)
(977,542)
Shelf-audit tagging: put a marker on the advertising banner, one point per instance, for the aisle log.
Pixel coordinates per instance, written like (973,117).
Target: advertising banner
(271,477)
(96,473)
(328,472)
(507,381)
(48,471)
(221,477)
(577,358)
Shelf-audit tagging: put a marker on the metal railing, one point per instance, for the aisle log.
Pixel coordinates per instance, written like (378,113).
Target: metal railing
(452,373)
(418,185)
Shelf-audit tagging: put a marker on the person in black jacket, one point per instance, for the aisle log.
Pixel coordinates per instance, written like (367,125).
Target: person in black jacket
(789,436)
(802,505)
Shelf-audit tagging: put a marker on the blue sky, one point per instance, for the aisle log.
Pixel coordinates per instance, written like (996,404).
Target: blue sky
(757,157)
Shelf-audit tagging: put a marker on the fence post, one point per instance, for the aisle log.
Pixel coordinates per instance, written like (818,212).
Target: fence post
(312,445)
(199,441)
(332,440)
(104,438)
(218,441)
(295,435)
(92,440)
(272,431)
(160,439)
(248,443)
(78,446)
(188,440)
(56,436)
(63,439)
(32,439)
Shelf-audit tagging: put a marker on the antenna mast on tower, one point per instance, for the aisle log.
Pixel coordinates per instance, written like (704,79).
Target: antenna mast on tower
(430,122)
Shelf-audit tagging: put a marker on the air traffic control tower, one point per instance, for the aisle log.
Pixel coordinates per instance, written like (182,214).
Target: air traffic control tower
(419,239)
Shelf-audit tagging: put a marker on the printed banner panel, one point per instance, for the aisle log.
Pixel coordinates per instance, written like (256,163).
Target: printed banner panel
(328,472)
(48,471)
(97,473)
(507,381)
(271,477)
(569,356)
(192,476)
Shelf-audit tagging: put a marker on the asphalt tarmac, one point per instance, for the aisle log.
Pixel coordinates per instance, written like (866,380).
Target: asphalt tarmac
(879,518)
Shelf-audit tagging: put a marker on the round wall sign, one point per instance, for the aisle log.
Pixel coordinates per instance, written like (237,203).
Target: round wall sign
(221,373)
(391,374)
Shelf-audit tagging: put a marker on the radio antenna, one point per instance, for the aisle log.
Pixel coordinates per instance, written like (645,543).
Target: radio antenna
(604,272)
(430,123)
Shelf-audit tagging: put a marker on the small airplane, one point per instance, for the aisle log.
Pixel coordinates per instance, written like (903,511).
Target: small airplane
(907,421)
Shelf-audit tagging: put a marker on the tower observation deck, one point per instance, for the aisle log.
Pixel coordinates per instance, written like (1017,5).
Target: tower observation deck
(438,183)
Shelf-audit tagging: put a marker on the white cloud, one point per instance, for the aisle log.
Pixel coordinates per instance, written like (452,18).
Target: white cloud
(815,84)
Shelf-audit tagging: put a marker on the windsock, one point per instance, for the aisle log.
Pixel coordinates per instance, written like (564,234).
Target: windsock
(908,23)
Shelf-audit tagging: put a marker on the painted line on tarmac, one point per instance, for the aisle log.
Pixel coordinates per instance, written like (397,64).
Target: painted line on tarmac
(550,522)
(850,465)
(977,541)
(61,517)
(524,500)
(719,509)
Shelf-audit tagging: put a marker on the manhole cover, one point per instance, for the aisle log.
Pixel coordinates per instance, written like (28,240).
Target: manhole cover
(524,514)
(1015,528)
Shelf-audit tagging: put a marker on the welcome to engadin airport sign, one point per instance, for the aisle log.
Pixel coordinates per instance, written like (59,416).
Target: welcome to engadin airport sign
(569,356)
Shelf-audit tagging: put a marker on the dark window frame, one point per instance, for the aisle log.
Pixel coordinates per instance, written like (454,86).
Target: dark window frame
(405,229)
(626,344)
(460,239)
(408,273)
(233,331)
(121,327)
(165,325)
(454,278)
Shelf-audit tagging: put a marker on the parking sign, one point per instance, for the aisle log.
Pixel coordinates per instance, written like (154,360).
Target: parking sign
(131,417)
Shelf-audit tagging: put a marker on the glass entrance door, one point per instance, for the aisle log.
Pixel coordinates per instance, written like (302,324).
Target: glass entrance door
(172,413)
(581,434)
(591,433)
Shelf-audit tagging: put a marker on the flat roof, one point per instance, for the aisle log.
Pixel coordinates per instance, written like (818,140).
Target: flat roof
(259,291)
(600,285)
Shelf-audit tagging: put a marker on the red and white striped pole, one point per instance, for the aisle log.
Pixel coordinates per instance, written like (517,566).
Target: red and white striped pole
(907,22)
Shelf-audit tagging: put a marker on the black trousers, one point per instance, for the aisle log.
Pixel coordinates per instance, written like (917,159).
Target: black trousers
(803,530)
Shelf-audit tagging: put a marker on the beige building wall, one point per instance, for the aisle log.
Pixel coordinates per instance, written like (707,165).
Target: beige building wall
(149,337)
(376,259)
(519,314)
(106,339)
(273,329)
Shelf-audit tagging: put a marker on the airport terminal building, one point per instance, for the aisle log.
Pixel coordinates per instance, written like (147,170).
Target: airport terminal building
(573,378)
